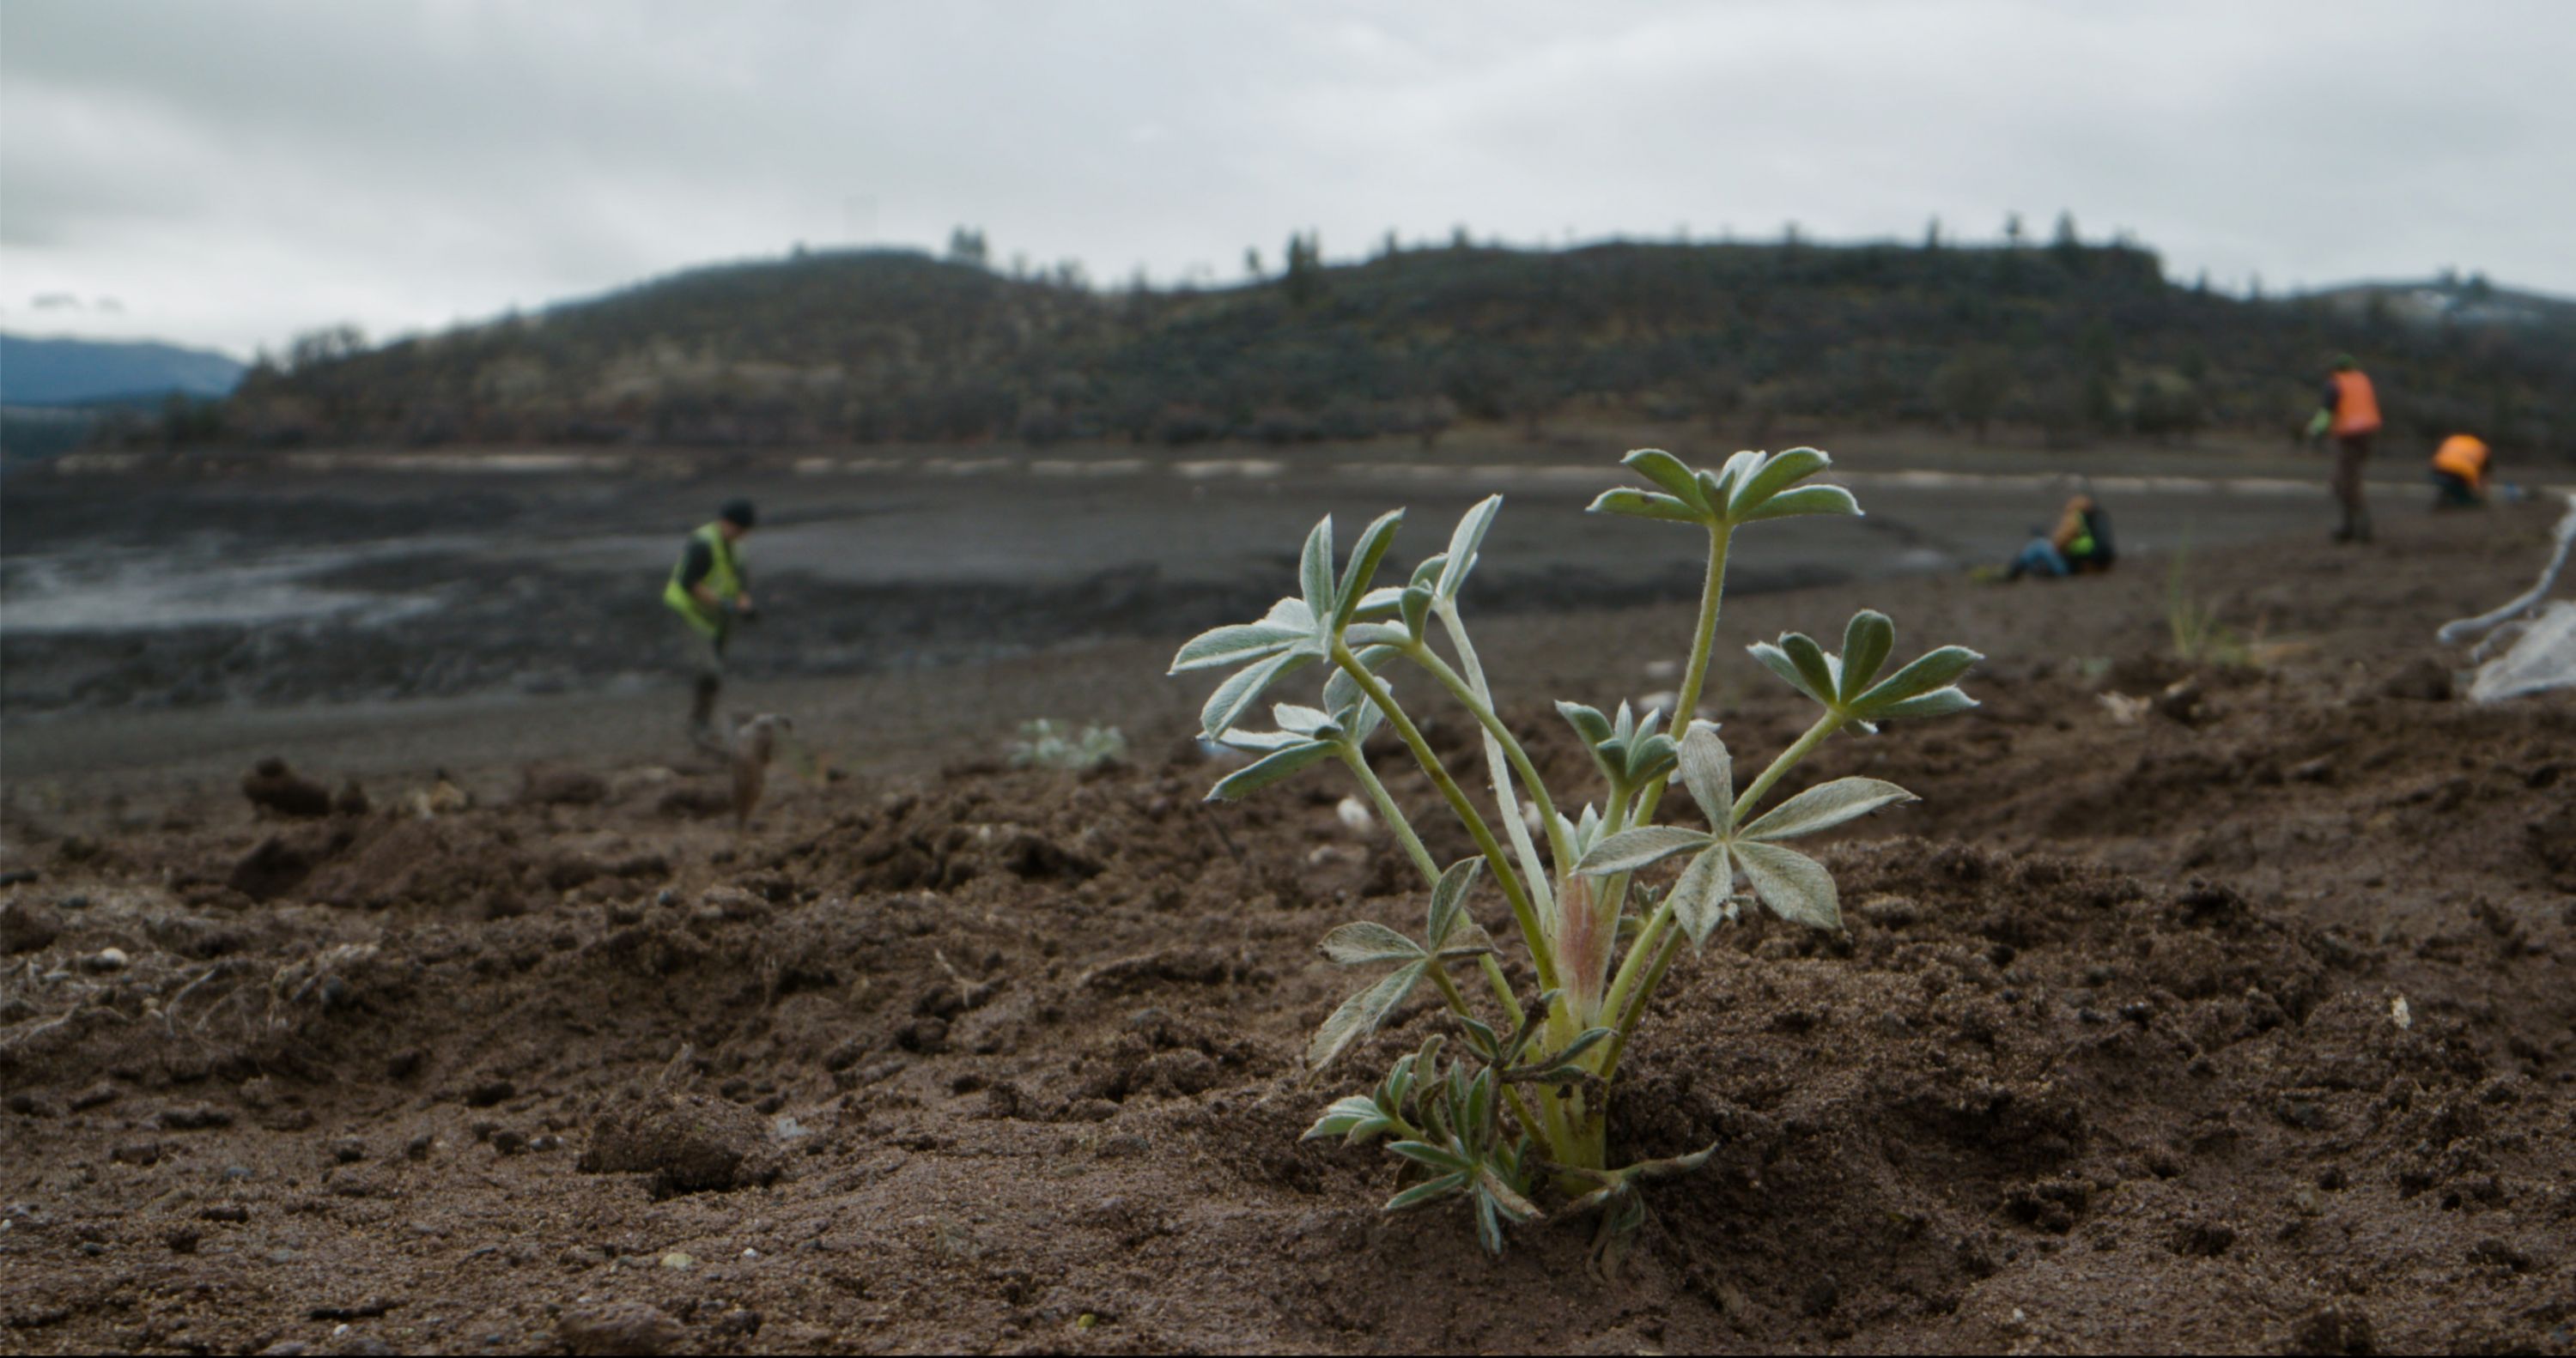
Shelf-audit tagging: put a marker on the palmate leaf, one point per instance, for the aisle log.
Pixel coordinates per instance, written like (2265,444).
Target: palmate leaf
(1708,774)
(1866,642)
(1361,1014)
(1749,488)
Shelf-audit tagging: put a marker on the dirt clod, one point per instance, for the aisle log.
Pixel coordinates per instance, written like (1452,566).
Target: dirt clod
(273,787)
(688,1143)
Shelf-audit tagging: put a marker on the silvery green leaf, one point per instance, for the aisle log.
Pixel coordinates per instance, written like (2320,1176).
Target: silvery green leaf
(1644,504)
(1415,605)
(1813,665)
(1805,500)
(1305,721)
(1730,477)
(1435,1157)
(1668,471)
(1446,1186)
(1363,942)
(1379,604)
(1360,1015)
(1362,721)
(1365,556)
(1243,688)
(1587,722)
(1427,574)
(1866,642)
(1449,900)
(1778,662)
(1630,850)
(1624,723)
(1650,759)
(1356,1118)
(1563,1060)
(1315,569)
(1292,613)
(1709,773)
(1234,644)
(1260,742)
(1341,690)
(1464,541)
(1934,670)
(1269,769)
(1823,807)
(1699,897)
(1588,828)
(1796,887)
(1776,474)
(1940,702)
(1505,1198)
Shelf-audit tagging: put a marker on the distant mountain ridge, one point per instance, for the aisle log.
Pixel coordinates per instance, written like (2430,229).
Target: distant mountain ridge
(55,372)
(861,347)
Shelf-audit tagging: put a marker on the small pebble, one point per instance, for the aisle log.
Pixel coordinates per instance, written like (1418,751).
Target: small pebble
(677,1260)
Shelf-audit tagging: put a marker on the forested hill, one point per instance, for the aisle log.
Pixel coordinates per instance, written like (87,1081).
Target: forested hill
(2072,340)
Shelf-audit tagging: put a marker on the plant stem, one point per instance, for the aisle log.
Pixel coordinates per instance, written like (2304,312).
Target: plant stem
(1387,808)
(1816,735)
(1618,1044)
(1712,593)
(1497,770)
(1542,956)
(1475,702)
(1422,859)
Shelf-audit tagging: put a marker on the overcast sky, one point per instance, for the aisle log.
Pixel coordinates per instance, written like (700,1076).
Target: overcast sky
(230,173)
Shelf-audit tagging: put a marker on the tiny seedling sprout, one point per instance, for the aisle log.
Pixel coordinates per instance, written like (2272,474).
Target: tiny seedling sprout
(1515,1105)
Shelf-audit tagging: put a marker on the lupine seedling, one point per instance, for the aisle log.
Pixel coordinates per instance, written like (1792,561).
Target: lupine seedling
(1515,1109)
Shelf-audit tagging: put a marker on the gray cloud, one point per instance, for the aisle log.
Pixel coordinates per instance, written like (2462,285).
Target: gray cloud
(242,171)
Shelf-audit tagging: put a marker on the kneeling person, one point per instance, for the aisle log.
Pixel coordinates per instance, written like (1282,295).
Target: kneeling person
(2460,472)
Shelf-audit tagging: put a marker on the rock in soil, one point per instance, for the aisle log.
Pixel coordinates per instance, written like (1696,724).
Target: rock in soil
(689,1144)
(618,1327)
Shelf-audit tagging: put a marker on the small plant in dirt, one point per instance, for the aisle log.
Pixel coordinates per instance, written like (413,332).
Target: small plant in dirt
(1046,743)
(1514,1107)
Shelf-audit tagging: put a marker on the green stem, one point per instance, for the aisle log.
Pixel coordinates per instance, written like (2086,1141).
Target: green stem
(1816,735)
(1395,820)
(1474,702)
(1541,955)
(1712,592)
(1618,1044)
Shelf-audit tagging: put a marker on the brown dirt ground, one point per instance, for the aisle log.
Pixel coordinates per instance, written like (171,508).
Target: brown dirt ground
(2108,1058)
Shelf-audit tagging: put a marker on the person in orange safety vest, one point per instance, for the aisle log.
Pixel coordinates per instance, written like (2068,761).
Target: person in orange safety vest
(2349,412)
(2460,472)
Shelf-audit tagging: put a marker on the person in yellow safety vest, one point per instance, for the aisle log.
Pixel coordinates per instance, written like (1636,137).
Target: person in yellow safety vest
(2350,412)
(2460,472)
(2080,543)
(710,592)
